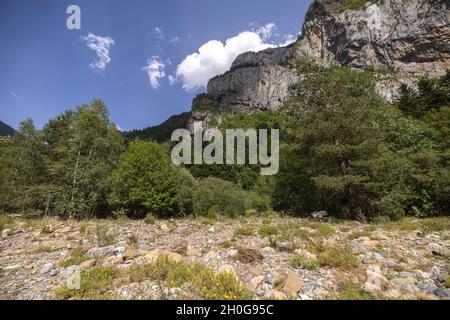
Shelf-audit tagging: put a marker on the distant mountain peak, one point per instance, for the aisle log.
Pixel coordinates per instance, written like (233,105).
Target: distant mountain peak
(6,130)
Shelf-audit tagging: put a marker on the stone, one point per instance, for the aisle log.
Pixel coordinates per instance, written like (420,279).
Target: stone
(257,270)
(278,295)
(164,227)
(319,214)
(193,252)
(14,267)
(227,269)
(120,250)
(406,285)
(154,255)
(427,286)
(292,284)
(305,297)
(268,250)
(128,254)
(66,230)
(437,249)
(375,281)
(256,281)
(88,264)
(102,251)
(443,293)
(47,268)
(370,243)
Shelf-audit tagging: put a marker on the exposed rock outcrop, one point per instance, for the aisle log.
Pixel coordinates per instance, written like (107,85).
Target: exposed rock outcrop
(410,38)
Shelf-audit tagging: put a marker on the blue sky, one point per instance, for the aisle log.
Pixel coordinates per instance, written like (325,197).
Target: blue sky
(150,65)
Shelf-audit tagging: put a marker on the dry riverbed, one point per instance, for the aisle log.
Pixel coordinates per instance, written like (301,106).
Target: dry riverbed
(257,257)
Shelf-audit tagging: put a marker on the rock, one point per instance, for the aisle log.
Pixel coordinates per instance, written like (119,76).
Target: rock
(128,255)
(443,293)
(66,230)
(227,269)
(268,250)
(319,215)
(278,295)
(305,297)
(437,249)
(212,229)
(14,267)
(292,284)
(370,243)
(154,255)
(257,270)
(256,281)
(47,268)
(102,251)
(412,40)
(375,278)
(371,288)
(406,285)
(164,227)
(120,250)
(193,252)
(88,264)
(427,286)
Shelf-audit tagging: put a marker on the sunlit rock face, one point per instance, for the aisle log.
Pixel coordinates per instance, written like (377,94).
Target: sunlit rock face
(409,38)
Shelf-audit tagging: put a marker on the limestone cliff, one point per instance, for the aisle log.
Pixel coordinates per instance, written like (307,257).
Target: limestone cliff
(409,37)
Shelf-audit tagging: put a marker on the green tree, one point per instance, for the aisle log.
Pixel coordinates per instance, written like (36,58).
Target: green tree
(145,181)
(86,148)
(340,161)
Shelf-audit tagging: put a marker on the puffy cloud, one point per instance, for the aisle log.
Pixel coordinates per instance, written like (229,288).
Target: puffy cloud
(214,57)
(155,71)
(101,46)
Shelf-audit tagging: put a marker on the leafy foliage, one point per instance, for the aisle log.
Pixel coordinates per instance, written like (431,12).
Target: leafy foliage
(145,181)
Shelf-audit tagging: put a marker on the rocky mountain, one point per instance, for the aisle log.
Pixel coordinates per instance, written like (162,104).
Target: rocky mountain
(5,130)
(407,37)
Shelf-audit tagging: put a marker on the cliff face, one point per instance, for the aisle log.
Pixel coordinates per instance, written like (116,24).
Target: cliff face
(410,37)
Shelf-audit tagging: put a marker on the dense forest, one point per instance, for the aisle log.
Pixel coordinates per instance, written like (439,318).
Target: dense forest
(344,150)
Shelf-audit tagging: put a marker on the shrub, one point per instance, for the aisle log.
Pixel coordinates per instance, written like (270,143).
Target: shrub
(224,196)
(302,262)
(145,181)
(185,186)
(150,219)
(337,257)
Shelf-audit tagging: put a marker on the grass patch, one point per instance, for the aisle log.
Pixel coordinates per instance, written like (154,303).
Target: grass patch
(94,284)
(150,219)
(103,236)
(244,231)
(447,282)
(352,292)
(77,256)
(292,234)
(302,262)
(267,230)
(340,257)
(359,234)
(200,281)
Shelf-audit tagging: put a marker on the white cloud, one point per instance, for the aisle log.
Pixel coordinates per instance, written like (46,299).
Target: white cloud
(101,46)
(155,71)
(267,31)
(158,33)
(13,93)
(214,57)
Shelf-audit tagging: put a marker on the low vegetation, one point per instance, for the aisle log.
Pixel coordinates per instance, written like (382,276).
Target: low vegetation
(196,280)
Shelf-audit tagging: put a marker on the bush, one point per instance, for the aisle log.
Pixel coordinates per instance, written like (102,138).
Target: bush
(145,181)
(224,196)
(186,184)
